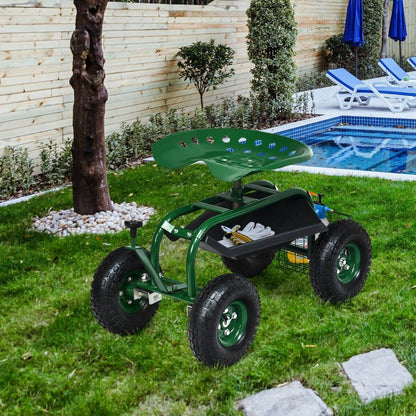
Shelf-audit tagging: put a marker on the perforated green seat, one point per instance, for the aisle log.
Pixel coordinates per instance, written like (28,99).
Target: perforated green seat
(230,154)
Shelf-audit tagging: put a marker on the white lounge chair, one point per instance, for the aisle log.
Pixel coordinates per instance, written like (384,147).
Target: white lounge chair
(412,61)
(396,76)
(353,90)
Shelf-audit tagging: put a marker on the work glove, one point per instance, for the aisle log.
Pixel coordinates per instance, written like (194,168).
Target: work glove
(256,231)
(252,231)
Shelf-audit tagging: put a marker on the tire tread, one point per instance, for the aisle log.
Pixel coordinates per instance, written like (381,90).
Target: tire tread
(104,294)
(325,253)
(219,292)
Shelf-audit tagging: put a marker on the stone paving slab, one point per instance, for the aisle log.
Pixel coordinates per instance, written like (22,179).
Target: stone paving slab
(377,374)
(291,399)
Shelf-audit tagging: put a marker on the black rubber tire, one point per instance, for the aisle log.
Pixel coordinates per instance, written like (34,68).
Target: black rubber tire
(251,264)
(105,295)
(325,267)
(208,318)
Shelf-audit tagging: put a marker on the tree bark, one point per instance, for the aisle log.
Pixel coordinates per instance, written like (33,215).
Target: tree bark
(383,51)
(89,177)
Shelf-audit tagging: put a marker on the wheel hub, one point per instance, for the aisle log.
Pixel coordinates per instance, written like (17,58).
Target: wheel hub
(232,324)
(348,263)
(129,302)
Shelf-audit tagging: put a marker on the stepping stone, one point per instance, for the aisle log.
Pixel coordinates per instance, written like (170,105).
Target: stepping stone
(377,374)
(291,399)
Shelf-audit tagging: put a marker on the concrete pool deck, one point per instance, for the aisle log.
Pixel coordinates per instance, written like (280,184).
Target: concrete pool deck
(326,104)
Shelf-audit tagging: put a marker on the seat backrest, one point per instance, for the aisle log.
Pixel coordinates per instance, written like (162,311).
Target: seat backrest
(392,68)
(344,78)
(412,61)
(230,153)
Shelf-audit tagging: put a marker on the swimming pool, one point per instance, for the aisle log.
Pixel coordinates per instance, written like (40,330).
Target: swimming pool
(360,146)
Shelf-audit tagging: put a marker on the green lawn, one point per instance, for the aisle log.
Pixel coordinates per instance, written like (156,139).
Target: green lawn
(56,359)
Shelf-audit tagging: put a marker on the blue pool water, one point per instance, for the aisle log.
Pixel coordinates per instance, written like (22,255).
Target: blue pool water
(360,143)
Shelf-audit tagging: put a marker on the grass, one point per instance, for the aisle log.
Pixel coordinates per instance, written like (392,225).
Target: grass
(55,358)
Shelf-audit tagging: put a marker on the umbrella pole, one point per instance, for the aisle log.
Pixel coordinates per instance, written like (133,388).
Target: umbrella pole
(400,52)
(356,61)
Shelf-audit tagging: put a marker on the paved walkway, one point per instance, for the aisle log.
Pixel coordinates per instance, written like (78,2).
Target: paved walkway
(373,375)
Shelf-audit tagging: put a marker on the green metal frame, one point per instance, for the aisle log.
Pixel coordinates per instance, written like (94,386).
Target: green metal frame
(188,290)
(230,154)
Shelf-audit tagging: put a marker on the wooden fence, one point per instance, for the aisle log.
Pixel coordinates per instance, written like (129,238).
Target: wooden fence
(140,46)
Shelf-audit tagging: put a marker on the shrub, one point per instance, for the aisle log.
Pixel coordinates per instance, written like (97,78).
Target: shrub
(16,172)
(341,55)
(56,162)
(134,142)
(127,145)
(369,53)
(117,153)
(312,81)
(303,104)
(206,65)
(240,113)
(271,46)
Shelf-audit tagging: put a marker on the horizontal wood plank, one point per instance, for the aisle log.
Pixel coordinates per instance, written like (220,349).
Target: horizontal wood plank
(141,42)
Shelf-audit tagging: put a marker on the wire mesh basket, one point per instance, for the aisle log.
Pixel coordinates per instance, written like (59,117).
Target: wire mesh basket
(292,260)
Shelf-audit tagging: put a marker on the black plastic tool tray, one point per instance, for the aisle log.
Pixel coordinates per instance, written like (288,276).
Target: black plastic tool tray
(289,218)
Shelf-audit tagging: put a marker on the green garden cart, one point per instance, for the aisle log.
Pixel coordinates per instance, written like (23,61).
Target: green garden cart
(248,227)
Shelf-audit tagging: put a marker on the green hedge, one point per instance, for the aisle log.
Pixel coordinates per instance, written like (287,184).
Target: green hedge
(133,142)
(271,46)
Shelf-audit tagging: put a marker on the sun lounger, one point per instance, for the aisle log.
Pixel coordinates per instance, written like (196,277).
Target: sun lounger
(353,90)
(412,61)
(396,76)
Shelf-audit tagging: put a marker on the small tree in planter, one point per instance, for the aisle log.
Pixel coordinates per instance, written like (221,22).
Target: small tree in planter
(206,65)
(271,46)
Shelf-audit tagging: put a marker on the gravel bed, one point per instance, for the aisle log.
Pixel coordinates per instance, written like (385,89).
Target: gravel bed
(67,222)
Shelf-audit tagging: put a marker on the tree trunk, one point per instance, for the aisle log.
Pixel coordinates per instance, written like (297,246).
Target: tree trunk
(89,178)
(383,51)
(201,99)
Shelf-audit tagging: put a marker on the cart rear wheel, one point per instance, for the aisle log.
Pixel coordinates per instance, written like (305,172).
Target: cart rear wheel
(113,302)
(340,261)
(224,320)
(249,265)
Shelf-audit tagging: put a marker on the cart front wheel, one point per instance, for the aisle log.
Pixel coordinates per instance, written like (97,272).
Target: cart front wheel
(224,320)
(113,300)
(251,264)
(340,261)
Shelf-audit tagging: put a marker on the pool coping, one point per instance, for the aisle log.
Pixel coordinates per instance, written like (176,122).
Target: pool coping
(332,171)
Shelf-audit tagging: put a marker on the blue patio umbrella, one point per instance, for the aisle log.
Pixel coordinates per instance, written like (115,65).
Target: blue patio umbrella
(354,32)
(397,29)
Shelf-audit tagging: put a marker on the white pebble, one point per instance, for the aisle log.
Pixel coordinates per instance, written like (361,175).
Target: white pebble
(68,222)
